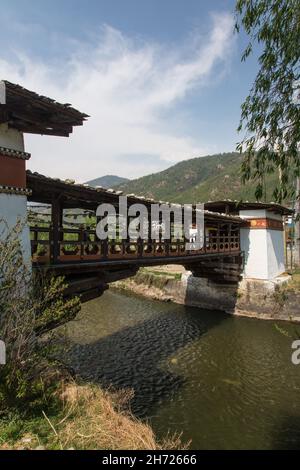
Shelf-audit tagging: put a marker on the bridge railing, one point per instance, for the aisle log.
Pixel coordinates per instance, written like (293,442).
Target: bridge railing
(70,245)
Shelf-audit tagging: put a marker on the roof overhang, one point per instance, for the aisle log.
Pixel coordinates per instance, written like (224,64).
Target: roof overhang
(233,207)
(71,195)
(29,112)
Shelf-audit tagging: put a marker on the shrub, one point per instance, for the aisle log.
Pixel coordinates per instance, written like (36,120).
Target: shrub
(30,306)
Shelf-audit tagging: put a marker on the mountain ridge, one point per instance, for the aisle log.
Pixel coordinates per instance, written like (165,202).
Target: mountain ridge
(108,181)
(199,179)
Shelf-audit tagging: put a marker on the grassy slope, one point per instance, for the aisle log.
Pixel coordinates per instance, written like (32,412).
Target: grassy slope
(85,417)
(198,180)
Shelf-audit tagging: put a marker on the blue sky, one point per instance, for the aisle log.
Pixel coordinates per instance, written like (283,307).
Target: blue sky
(162,80)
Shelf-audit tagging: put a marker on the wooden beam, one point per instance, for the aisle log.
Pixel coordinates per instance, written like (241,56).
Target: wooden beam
(56,221)
(31,115)
(37,129)
(3,113)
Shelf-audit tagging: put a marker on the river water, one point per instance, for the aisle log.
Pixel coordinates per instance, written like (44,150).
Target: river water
(224,382)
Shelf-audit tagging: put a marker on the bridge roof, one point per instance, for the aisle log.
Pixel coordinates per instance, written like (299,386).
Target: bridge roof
(233,207)
(29,112)
(72,195)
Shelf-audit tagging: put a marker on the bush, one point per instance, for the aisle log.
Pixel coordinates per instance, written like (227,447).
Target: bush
(31,306)
(40,406)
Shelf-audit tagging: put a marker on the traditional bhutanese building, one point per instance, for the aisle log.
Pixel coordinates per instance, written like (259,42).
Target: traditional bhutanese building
(23,111)
(252,231)
(261,236)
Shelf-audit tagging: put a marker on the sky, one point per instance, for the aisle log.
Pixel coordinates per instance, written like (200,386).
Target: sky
(162,80)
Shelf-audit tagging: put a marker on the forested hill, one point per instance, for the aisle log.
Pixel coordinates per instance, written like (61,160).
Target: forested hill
(198,180)
(107,181)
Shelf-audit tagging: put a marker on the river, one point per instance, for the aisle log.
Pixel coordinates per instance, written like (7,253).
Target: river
(224,382)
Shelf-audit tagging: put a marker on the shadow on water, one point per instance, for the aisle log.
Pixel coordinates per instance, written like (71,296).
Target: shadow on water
(287,434)
(132,356)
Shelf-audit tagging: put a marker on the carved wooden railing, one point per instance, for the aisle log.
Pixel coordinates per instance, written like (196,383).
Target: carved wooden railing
(71,245)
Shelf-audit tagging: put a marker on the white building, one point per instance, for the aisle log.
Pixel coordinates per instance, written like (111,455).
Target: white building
(262,236)
(23,111)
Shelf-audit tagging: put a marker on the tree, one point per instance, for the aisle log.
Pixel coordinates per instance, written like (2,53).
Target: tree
(270,115)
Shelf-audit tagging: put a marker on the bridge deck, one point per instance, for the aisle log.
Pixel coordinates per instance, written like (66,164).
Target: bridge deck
(73,248)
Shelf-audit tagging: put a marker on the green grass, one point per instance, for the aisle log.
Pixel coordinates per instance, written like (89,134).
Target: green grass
(16,424)
(296,279)
(85,417)
(176,276)
(294,284)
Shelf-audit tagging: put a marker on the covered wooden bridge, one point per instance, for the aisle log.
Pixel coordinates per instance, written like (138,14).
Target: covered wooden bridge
(64,240)
(63,237)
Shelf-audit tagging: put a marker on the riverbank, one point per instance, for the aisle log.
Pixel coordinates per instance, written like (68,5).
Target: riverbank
(84,417)
(43,403)
(224,382)
(278,300)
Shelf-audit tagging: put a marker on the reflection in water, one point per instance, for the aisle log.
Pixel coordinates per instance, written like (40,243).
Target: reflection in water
(225,382)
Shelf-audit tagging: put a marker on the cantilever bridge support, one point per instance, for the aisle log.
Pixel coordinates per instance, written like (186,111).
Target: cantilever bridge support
(226,269)
(259,266)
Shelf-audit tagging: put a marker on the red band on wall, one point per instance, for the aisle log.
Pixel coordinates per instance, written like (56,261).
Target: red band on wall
(271,224)
(12,172)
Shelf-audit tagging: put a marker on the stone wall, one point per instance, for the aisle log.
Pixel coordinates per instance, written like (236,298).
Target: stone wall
(269,300)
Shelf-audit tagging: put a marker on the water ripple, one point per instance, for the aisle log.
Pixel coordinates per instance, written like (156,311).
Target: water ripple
(225,382)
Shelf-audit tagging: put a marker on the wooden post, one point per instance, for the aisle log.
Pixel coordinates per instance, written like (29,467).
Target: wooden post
(161,248)
(56,220)
(35,240)
(128,223)
(149,241)
(103,243)
(168,242)
(179,240)
(81,240)
(186,237)
(149,226)
(127,249)
(104,248)
(140,247)
(117,223)
(172,216)
(160,228)
(239,237)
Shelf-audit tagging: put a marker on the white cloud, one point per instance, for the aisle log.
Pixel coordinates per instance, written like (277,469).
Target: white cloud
(128,88)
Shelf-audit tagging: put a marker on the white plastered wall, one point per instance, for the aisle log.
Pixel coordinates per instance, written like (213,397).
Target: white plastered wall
(263,248)
(11,138)
(13,207)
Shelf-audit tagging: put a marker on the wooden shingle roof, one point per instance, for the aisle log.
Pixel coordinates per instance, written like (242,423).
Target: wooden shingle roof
(30,112)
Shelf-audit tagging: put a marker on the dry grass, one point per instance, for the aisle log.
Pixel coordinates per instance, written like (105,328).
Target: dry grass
(294,284)
(105,422)
(74,416)
(94,419)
